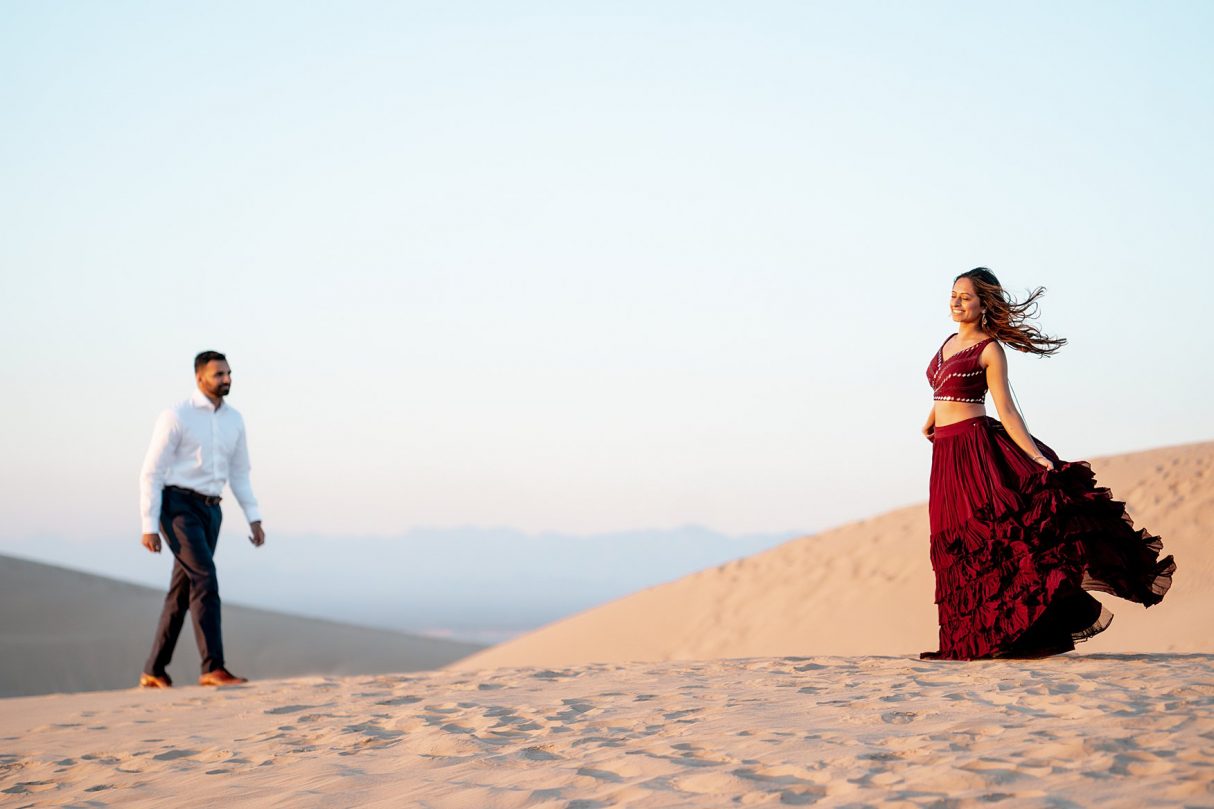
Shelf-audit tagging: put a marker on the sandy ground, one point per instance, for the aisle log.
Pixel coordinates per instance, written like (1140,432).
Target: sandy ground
(63,630)
(866,588)
(1099,730)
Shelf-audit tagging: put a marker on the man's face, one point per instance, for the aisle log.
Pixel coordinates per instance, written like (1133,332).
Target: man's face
(215,379)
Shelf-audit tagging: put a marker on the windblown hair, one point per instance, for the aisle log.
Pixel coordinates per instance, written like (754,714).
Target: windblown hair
(1005,316)
(202,359)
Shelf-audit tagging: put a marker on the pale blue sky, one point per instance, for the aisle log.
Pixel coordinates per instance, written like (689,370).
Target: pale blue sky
(586,267)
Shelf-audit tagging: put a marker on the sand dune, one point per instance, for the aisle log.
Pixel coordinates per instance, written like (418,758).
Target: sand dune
(63,630)
(866,588)
(1099,730)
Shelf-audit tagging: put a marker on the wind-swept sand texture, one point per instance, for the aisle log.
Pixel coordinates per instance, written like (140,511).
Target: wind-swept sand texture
(63,630)
(867,587)
(1099,730)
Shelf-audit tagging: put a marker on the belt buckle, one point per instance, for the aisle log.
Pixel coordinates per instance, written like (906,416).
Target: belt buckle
(212,500)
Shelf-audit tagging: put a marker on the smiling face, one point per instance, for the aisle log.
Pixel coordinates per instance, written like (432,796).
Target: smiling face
(963,303)
(215,379)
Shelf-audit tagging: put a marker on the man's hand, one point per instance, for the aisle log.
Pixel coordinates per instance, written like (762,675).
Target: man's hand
(151,542)
(259,536)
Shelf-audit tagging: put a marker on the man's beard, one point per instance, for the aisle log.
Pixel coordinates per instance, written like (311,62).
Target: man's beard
(221,390)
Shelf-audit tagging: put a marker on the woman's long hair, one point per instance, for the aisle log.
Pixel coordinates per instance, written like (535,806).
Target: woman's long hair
(1004,318)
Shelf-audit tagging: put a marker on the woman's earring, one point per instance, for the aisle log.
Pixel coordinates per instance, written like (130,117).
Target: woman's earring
(984,320)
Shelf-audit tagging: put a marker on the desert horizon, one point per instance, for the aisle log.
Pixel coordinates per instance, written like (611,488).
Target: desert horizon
(859,588)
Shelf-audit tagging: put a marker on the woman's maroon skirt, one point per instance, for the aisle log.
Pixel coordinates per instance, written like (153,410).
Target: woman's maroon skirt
(1016,547)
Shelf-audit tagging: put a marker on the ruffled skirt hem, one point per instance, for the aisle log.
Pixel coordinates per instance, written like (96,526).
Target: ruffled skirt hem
(1016,548)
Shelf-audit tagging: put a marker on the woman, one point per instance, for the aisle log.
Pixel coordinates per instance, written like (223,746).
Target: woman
(1018,536)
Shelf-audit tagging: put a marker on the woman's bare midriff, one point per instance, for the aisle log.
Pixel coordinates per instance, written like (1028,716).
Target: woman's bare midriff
(953,412)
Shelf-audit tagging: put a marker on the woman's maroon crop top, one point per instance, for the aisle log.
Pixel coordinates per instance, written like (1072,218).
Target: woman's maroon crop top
(960,378)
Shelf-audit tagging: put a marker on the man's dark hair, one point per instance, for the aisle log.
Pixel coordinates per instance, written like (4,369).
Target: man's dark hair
(202,359)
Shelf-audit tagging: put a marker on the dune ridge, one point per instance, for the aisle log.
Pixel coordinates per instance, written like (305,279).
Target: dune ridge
(866,588)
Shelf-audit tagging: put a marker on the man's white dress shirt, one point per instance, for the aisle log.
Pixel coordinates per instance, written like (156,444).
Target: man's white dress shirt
(196,446)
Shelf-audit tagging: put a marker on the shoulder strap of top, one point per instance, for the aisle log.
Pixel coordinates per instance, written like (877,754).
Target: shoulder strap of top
(977,348)
(970,349)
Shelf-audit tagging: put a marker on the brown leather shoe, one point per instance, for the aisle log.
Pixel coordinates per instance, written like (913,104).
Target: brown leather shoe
(155,681)
(221,677)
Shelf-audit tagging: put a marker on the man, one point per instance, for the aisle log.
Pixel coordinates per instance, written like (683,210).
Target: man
(197,447)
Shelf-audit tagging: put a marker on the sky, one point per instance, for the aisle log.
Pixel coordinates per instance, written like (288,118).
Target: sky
(585,267)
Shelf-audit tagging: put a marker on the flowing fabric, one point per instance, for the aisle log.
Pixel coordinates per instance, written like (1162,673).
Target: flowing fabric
(1016,547)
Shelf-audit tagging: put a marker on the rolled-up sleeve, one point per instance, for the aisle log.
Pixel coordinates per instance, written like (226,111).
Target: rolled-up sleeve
(242,487)
(155,466)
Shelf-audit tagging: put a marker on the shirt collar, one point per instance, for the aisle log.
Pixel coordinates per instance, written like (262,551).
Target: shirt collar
(200,400)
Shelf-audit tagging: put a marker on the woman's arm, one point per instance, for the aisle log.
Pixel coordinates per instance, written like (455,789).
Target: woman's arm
(929,426)
(1001,395)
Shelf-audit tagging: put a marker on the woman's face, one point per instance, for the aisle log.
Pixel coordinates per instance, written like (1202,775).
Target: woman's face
(963,303)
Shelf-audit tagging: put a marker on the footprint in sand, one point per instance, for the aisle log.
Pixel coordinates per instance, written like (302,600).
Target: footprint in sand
(374,731)
(502,736)
(995,771)
(405,700)
(680,714)
(538,754)
(285,709)
(22,787)
(455,727)
(777,776)
(544,795)
(574,709)
(898,717)
(100,759)
(1062,688)
(1140,764)
(694,755)
(514,722)
(514,725)
(792,789)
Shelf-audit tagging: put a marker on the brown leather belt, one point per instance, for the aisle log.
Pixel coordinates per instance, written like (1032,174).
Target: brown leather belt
(210,500)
